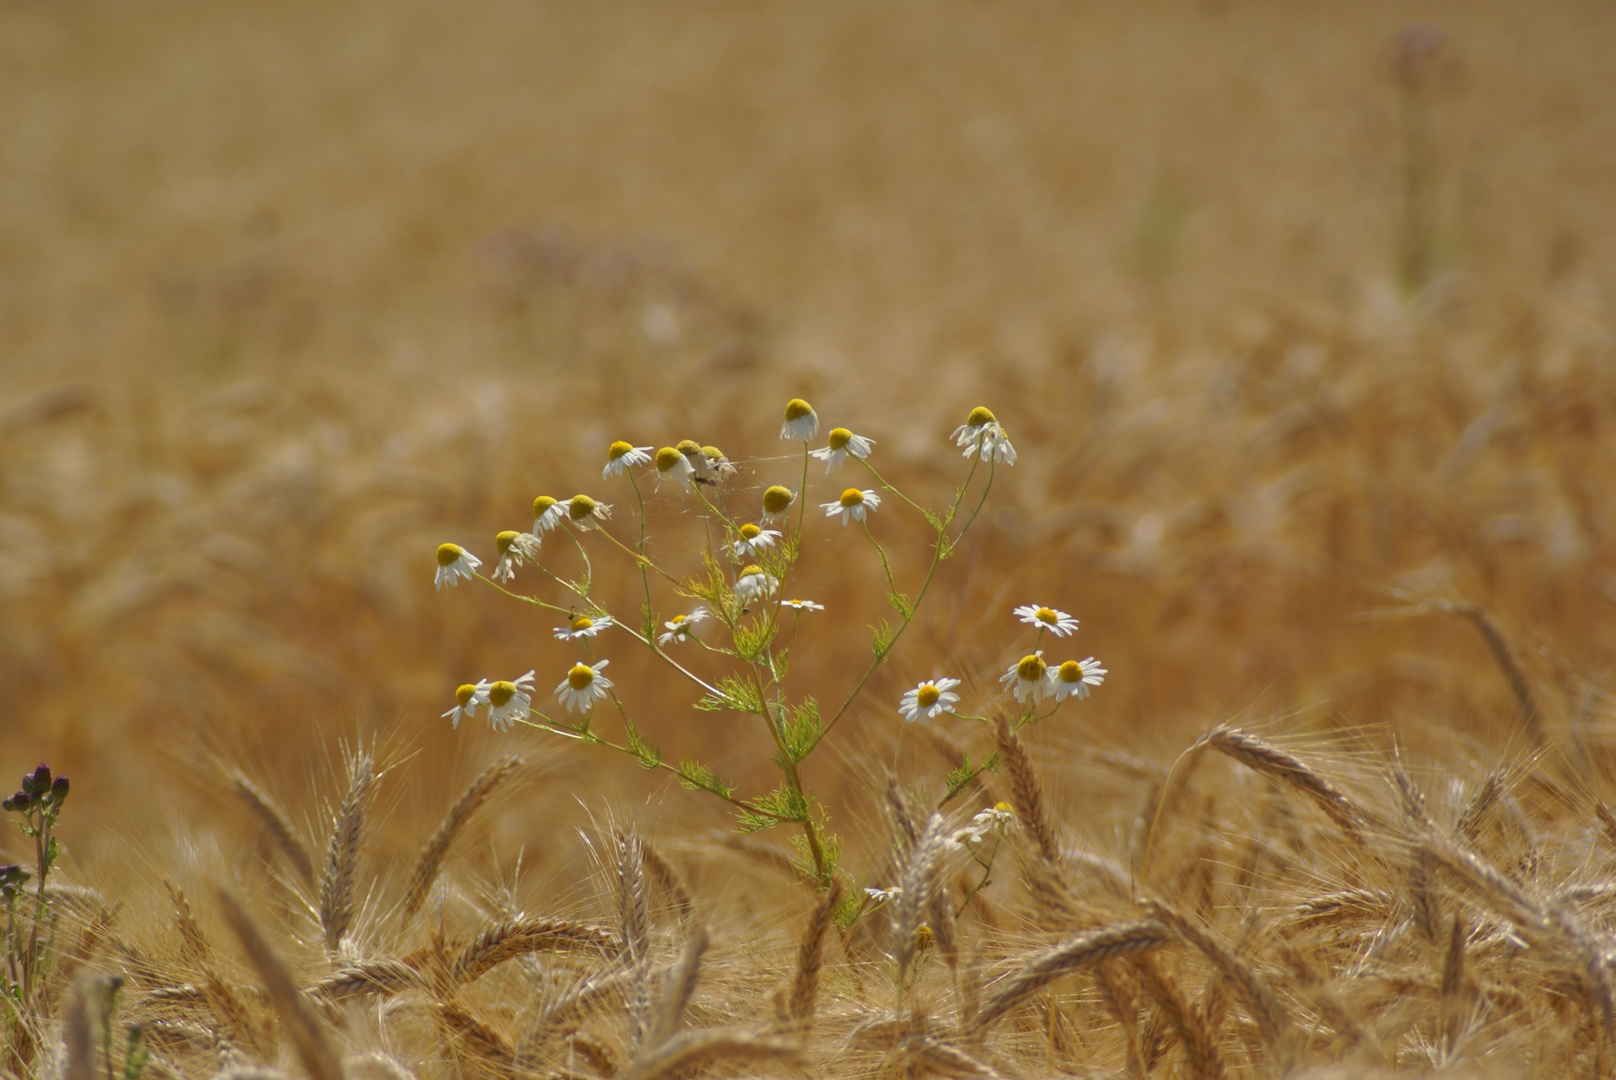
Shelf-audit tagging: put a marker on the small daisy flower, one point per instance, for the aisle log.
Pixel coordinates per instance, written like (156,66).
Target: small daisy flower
(721,465)
(681,627)
(853,505)
(1073,678)
(547,514)
(1056,622)
(582,626)
(982,431)
(882,896)
(753,540)
(515,548)
(801,421)
(673,466)
(928,700)
(1029,677)
(962,839)
(842,443)
(997,818)
(586,513)
(620,455)
(776,501)
(802,605)
(754,584)
(509,701)
(454,563)
(583,686)
(467,700)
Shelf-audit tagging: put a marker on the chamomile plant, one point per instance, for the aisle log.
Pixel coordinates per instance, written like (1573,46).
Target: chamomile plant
(728,629)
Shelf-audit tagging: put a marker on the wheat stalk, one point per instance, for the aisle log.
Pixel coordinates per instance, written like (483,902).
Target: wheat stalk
(811,955)
(507,941)
(680,989)
(1073,955)
(685,1053)
(372,978)
(342,854)
(1201,1058)
(275,823)
(1025,790)
(430,860)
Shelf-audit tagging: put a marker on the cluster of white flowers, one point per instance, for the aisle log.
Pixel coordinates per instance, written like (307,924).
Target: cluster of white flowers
(997,819)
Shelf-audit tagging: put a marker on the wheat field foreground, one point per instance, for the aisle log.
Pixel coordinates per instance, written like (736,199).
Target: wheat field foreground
(954,539)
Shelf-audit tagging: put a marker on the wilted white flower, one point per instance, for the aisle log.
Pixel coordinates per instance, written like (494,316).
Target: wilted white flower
(853,505)
(585,513)
(1073,678)
(1056,622)
(881,896)
(582,626)
(547,514)
(982,432)
(716,461)
(801,422)
(583,686)
(962,839)
(1029,677)
(802,605)
(509,701)
(752,540)
(515,548)
(754,584)
(467,699)
(620,455)
(842,444)
(998,817)
(673,466)
(776,501)
(454,563)
(681,627)
(928,700)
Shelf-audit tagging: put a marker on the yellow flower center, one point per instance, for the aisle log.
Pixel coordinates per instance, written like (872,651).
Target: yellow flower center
(668,458)
(750,531)
(923,937)
(619,448)
(927,696)
(500,693)
(582,622)
(580,676)
(689,446)
(712,453)
(677,619)
(505,539)
(979,416)
(840,437)
(1031,668)
(541,504)
(776,499)
(1047,615)
(797,408)
(1002,807)
(852,497)
(448,553)
(750,570)
(464,695)
(581,507)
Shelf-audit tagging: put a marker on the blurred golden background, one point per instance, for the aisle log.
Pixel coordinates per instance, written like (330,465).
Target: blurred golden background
(1294,312)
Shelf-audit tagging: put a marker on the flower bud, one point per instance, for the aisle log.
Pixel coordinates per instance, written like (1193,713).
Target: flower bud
(58,791)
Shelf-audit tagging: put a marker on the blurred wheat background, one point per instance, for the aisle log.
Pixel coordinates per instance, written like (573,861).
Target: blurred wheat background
(1299,315)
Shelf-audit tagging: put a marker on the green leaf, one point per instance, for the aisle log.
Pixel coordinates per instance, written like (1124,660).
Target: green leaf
(851,907)
(883,637)
(778,807)
(734,695)
(648,622)
(644,752)
(800,730)
(752,640)
(959,779)
(135,1053)
(698,777)
(901,603)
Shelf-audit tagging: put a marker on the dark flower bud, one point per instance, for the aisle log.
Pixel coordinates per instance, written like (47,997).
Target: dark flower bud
(20,802)
(59,788)
(37,782)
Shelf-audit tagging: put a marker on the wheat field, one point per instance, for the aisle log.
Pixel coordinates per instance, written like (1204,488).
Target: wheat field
(1299,318)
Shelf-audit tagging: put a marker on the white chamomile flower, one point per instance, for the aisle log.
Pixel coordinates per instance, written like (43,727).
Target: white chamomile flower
(620,455)
(928,700)
(515,548)
(842,443)
(681,627)
(853,505)
(962,839)
(1028,677)
(1073,678)
(801,422)
(454,563)
(983,433)
(998,818)
(776,501)
(882,896)
(673,466)
(802,605)
(509,701)
(583,686)
(582,626)
(467,700)
(716,461)
(547,514)
(702,469)
(1056,622)
(753,584)
(585,513)
(752,540)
